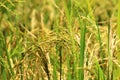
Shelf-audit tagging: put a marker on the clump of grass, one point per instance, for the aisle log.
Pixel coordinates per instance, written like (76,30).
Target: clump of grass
(55,40)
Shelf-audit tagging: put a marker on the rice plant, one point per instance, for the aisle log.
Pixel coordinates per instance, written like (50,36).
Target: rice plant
(59,40)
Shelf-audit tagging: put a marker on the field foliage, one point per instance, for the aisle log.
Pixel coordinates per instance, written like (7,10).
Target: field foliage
(59,39)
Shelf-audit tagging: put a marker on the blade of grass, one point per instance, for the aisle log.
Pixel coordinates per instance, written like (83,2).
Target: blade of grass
(109,56)
(82,49)
(100,42)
